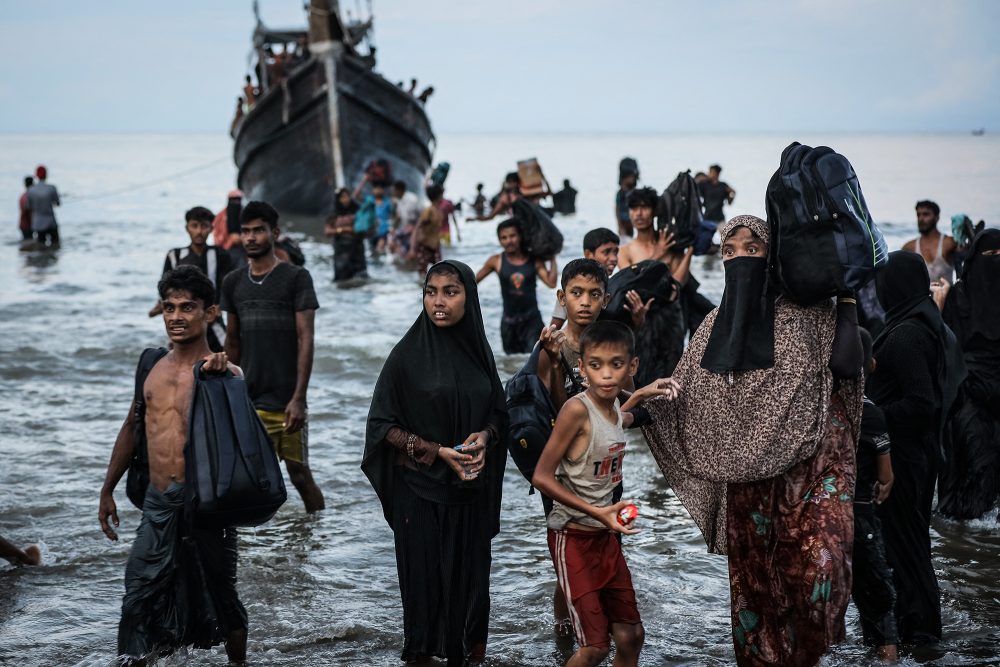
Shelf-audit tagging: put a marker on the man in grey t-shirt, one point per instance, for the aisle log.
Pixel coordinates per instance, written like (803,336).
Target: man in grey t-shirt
(42,197)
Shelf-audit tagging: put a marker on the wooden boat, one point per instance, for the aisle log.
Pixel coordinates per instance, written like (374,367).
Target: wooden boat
(322,116)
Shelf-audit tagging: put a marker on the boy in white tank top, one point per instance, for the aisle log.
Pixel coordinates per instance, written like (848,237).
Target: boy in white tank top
(579,469)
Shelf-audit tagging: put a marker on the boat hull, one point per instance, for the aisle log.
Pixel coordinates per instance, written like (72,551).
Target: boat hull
(305,138)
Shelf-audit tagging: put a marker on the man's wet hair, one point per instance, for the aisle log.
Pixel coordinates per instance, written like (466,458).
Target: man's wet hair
(595,238)
(400,185)
(199,213)
(29,181)
(512,177)
(607,332)
(260,210)
(434,191)
(715,167)
(190,279)
(510,222)
(927,203)
(589,268)
(479,186)
(443,269)
(642,197)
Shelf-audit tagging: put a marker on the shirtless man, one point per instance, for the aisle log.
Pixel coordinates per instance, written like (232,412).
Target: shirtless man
(650,243)
(936,248)
(167,556)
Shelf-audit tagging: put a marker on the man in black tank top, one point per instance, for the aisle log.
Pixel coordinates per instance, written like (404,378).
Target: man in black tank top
(522,322)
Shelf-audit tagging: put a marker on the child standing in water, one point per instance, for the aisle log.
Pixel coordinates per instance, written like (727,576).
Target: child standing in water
(579,469)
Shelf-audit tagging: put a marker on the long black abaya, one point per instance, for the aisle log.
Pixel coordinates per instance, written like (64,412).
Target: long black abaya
(440,384)
(914,382)
(969,484)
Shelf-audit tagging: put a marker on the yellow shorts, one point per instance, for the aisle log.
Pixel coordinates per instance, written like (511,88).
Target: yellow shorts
(288,446)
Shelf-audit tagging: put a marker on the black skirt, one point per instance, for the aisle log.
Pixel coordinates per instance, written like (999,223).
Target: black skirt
(443,561)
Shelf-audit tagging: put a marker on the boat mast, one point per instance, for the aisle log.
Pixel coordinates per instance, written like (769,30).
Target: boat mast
(326,35)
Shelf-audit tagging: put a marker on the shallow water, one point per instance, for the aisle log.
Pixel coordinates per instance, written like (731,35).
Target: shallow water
(323,589)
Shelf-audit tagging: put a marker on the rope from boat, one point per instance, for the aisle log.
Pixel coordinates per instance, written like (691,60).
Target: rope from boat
(70,198)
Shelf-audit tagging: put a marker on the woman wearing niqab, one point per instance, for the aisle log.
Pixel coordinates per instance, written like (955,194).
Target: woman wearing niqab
(760,449)
(917,374)
(439,387)
(969,483)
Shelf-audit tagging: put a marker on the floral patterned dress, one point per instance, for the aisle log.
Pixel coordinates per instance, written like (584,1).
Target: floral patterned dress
(790,539)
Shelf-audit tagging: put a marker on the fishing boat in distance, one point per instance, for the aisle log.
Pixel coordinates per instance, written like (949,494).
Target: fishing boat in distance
(323,115)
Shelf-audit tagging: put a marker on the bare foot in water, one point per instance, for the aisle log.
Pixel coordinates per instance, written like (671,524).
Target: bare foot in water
(888,653)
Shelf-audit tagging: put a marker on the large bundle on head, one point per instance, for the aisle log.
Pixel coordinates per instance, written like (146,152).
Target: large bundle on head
(679,211)
(823,238)
(541,237)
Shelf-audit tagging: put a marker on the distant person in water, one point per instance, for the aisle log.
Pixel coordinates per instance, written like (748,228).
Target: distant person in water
(15,555)
(271,308)
(510,193)
(936,248)
(348,245)
(518,273)
(627,182)
(715,194)
(425,243)
(24,210)
(448,208)
(382,205)
(211,260)
(237,117)
(226,228)
(564,201)
(42,197)
(479,203)
(250,93)
(169,559)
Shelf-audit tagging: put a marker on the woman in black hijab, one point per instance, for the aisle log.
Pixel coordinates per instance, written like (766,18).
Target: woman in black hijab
(439,388)
(969,484)
(348,246)
(918,370)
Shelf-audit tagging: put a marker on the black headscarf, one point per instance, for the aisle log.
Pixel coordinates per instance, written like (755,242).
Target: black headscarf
(971,306)
(903,287)
(441,384)
(742,337)
(341,209)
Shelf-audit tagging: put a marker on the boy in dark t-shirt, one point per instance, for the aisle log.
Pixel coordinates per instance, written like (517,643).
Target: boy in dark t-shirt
(213,261)
(518,273)
(271,307)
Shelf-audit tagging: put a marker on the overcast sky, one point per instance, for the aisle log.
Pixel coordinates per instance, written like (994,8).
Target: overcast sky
(528,65)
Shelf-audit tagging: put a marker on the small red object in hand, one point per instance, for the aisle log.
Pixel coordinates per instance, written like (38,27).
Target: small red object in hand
(628,514)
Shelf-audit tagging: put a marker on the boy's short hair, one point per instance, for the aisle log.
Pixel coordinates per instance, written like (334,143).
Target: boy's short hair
(434,191)
(590,268)
(642,197)
(928,204)
(510,222)
(188,278)
(607,332)
(199,213)
(595,238)
(259,210)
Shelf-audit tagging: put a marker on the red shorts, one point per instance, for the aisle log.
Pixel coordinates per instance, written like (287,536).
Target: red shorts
(595,578)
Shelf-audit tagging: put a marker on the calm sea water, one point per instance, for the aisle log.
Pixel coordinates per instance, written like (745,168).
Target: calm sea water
(322,590)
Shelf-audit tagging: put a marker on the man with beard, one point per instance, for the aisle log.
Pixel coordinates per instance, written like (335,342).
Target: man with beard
(936,248)
(270,310)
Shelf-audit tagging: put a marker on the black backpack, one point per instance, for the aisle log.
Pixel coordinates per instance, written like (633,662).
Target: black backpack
(233,476)
(650,278)
(138,468)
(679,210)
(532,415)
(627,166)
(823,238)
(542,239)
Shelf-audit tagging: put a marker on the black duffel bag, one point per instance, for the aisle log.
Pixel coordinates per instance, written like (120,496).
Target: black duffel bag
(679,211)
(541,238)
(823,238)
(532,415)
(650,278)
(233,476)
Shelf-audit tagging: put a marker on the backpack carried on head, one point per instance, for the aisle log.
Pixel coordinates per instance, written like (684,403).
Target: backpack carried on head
(540,236)
(532,415)
(823,238)
(680,212)
(650,278)
(232,473)
(440,173)
(379,171)
(138,468)
(628,167)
